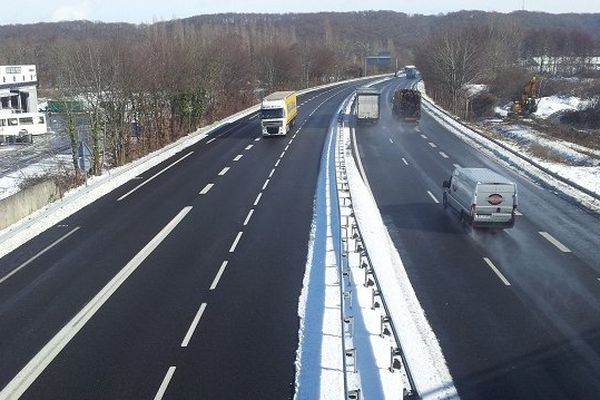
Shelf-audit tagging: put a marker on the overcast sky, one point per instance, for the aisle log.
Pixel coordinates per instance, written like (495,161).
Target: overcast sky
(27,11)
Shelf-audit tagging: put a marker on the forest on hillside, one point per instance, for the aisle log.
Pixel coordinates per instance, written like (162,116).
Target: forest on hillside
(170,77)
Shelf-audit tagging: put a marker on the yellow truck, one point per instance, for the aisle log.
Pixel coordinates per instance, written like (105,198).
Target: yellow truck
(278,113)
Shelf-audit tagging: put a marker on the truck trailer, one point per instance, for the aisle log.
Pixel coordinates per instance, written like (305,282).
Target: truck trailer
(481,197)
(367,104)
(406,104)
(410,71)
(278,113)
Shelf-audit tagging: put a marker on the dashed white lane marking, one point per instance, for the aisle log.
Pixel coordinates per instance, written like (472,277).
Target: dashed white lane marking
(257,199)
(257,139)
(32,259)
(391,141)
(155,175)
(291,141)
(518,213)
(266,184)
(432,145)
(34,368)
(165,383)
(456,165)
(277,162)
(433,197)
(235,242)
(249,147)
(238,157)
(443,154)
(555,242)
(193,326)
(254,116)
(215,281)
(417,129)
(223,171)
(207,188)
(424,137)
(404,161)
(211,140)
(287,147)
(498,273)
(248,216)
(271,173)
(282,154)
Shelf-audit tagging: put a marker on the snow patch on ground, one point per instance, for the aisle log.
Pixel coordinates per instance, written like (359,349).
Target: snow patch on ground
(555,105)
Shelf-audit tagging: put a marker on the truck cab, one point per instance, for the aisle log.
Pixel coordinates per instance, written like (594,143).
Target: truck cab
(278,113)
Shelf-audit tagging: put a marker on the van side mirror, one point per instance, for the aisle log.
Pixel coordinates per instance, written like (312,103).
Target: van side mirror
(446,184)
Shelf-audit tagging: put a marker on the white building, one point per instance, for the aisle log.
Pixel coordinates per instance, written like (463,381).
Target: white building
(19,114)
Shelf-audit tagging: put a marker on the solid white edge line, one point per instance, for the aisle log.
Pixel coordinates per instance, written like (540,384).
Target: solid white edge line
(235,242)
(223,171)
(207,188)
(165,383)
(238,157)
(443,154)
(248,216)
(433,197)
(404,161)
(498,273)
(215,281)
(257,198)
(154,176)
(555,242)
(34,368)
(249,147)
(193,326)
(50,246)
(266,184)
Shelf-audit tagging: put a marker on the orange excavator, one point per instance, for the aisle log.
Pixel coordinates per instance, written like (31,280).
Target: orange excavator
(527,103)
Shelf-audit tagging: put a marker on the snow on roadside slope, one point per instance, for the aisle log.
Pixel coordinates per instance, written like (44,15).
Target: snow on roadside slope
(587,176)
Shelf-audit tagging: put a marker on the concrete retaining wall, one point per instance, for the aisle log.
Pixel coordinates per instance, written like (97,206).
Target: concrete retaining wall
(23,203)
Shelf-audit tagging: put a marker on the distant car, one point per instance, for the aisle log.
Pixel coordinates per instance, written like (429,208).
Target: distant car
(481,197)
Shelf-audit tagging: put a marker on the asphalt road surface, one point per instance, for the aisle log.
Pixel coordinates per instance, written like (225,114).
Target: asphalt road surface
(517,312)
(182,283)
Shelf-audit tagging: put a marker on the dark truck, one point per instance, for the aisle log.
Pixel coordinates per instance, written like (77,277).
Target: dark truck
(407,104)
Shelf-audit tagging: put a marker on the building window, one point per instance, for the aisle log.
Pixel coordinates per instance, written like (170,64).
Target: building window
(13,122)
(2,122)
(26,121)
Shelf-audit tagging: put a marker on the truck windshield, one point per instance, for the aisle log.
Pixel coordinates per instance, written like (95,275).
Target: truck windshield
(268,113)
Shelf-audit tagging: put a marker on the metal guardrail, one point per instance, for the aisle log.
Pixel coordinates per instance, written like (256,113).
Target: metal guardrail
(350,227)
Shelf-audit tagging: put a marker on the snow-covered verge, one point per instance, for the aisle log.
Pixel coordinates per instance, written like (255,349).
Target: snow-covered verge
(576,177)
(98,186)
(554,105)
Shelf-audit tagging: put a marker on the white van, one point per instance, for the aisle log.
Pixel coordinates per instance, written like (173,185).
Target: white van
(481,197)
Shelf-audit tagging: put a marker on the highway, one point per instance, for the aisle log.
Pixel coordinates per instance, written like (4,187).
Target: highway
(182,283)
(517,312)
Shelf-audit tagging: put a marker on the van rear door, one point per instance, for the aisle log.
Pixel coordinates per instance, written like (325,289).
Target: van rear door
(495,199)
